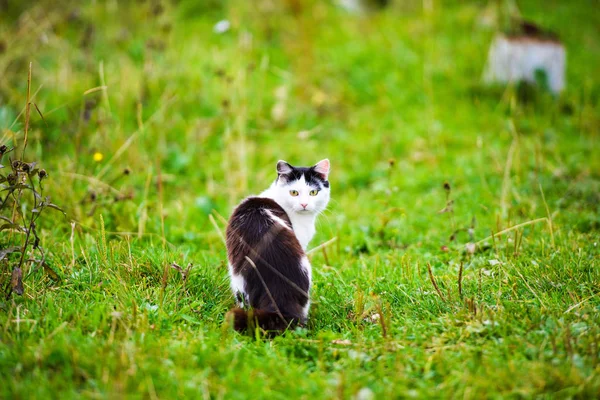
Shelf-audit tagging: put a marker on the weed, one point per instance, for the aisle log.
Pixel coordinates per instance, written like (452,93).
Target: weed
(21,208)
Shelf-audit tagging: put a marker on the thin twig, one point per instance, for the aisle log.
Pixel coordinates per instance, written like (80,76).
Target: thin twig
(221,218)
(382,319)
(214,224)
(460,276)
(104,86)
(512,228)
(548,214)
(437,289)
(574,306)
(27,110)
(96,89)
(160,203)
(507,169)
(325,256)
(322,245)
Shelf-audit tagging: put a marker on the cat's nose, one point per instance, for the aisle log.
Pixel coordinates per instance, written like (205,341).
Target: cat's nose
(304,205)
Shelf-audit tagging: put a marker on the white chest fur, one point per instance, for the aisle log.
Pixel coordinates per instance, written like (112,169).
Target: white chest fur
(304,228)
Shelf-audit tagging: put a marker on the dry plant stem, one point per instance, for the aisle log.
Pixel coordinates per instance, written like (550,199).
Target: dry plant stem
(72,240)
(162,228)
(27,111)
(460,276)
(221,218)
(30,229)
(437,289)
(214,224)
(512,228)
(33,216)
(382,319)
(40,114)
(506,179)
(104,86)
(94,90)
(163,286)
(140,121)
(322,245)
(325,256)
(549,216)
(144,205)
(160,201)
(580,303)
(493,236)
(8,131)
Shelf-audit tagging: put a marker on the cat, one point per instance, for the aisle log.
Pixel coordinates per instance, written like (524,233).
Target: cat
(267,237)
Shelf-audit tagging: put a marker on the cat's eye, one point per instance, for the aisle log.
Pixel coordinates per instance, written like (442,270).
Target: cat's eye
(313,192)
(294,193)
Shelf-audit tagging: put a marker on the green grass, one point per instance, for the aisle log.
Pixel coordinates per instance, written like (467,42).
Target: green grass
(395,101)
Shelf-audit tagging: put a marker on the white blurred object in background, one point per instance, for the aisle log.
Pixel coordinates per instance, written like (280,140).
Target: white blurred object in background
(222,26)
(527,56)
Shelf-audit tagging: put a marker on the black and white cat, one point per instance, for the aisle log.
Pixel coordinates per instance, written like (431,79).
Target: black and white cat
(267,238)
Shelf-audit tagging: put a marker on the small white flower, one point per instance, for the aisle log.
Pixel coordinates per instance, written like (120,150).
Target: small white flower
(471,247)
(365,394)
(222,26)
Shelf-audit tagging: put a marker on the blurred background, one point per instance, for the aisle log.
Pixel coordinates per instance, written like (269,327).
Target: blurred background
(186,106)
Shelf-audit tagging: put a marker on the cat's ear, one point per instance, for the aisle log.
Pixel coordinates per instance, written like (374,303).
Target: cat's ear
(283,169)
(322,168)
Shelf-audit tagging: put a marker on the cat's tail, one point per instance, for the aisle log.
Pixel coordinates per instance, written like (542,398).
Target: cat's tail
(271,321)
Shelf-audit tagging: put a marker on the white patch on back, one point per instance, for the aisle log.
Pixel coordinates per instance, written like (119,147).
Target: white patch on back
(276,219)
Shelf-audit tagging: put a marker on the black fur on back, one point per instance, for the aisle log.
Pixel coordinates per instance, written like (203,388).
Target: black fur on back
(277,289)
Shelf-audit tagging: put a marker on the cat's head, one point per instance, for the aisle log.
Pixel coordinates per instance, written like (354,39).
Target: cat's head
(302,190)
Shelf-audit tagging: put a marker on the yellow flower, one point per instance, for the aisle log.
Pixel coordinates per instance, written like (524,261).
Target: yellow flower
(98,156)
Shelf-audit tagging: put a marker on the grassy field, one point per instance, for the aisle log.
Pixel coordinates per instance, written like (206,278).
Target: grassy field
(154,127)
